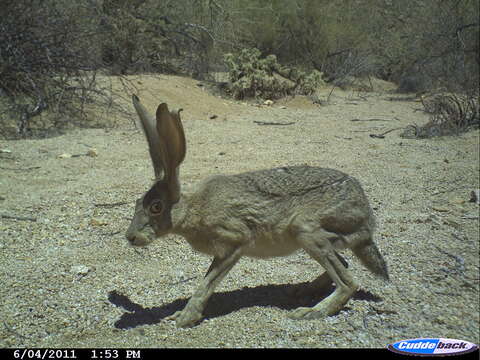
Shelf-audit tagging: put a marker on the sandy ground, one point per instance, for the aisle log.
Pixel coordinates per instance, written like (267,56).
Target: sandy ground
(69,278)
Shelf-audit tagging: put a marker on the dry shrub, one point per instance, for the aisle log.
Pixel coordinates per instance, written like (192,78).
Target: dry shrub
(450,114)
(48,71)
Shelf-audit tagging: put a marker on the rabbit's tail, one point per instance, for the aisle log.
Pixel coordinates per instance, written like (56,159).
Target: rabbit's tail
(372,259)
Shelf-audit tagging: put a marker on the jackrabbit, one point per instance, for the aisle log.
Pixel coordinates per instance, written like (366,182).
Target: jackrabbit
(259,214)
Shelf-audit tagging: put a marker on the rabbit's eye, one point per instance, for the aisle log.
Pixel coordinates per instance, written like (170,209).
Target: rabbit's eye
(156,207)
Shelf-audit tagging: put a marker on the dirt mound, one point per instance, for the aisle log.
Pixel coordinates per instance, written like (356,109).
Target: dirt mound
(182,92)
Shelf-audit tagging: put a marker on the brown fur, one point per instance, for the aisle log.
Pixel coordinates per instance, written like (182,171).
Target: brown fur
(259,214)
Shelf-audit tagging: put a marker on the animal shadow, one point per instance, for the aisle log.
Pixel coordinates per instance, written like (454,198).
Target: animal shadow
(223,303)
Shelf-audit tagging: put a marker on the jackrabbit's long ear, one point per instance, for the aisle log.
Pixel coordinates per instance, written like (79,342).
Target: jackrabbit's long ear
(172,139)
(154,143)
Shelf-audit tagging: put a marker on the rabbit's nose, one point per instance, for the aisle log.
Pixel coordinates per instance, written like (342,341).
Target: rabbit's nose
(137,238)
(130,237)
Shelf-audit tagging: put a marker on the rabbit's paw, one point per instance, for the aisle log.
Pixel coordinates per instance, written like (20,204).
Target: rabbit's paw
(185,318)
(307,313)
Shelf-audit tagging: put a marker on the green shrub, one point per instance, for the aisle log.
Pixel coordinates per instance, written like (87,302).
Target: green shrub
(251,76)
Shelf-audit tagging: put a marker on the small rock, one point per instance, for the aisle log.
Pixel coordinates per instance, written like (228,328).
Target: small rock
(456,201)
(268,102)
(5,151)
(80,269)
(213,116)
(96,222)
(451,221)
(64,156)
(92,152)
(440,209)
(139,331)
(475,196)
(440,320)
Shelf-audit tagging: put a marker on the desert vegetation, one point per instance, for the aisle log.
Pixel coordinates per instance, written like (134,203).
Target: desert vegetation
(383,90)
(57,56)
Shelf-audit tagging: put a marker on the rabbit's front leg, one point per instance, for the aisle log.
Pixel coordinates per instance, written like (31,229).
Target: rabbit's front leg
(192,313)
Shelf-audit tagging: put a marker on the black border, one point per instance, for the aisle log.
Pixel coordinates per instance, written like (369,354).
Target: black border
(157,353)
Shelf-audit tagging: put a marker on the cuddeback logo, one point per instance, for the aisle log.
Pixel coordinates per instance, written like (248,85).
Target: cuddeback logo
(440,346)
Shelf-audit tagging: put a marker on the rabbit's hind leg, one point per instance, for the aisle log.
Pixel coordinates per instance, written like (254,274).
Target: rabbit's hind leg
(319,246)
(320,285)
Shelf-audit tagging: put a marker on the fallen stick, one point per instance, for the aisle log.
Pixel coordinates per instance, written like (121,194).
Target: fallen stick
(470,217)
(382,135)
(184,280)
(374,119)
(271,123)
(460,266)
(9,329)
(14,217)
(111,204)
(404,98)
(20,169)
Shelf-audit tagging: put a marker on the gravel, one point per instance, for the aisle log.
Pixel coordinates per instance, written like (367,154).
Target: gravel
(69,278)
